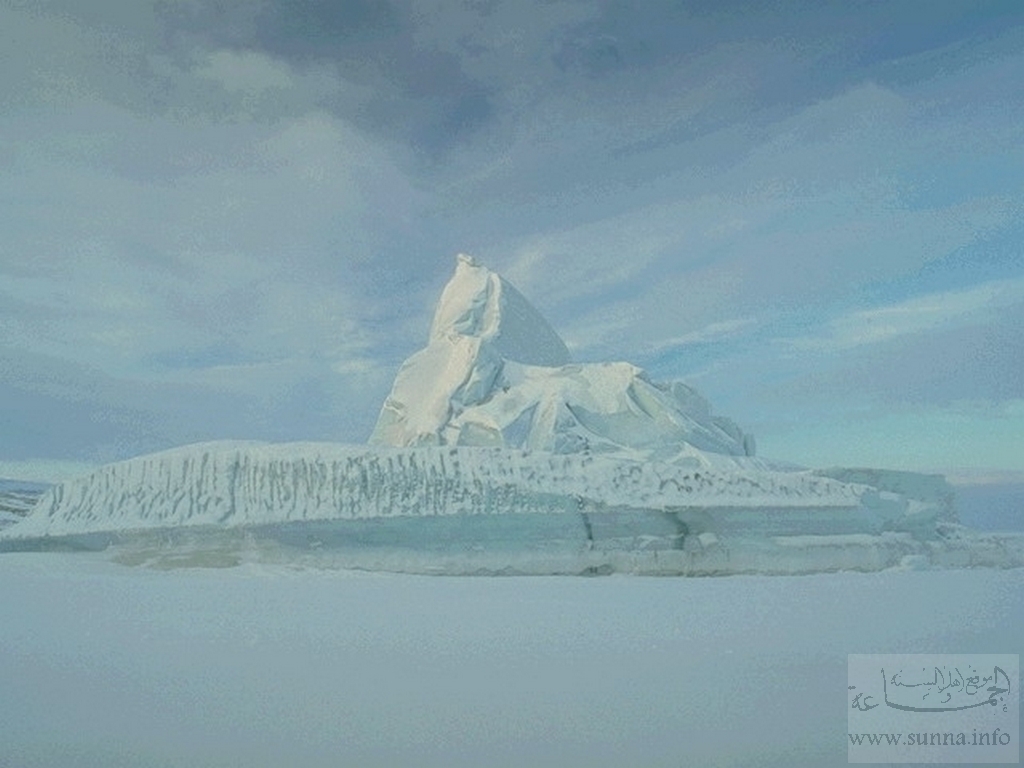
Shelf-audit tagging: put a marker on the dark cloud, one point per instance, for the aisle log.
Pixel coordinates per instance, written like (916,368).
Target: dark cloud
(403,88)
(296,30)
(311,29)
(593,56)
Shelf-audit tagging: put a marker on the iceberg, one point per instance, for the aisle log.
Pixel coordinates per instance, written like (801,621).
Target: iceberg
(496,453)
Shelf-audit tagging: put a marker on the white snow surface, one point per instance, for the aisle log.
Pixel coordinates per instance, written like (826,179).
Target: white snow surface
(495,374)
(105,666)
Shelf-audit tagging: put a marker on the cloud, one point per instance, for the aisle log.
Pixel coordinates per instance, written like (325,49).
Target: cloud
(52,408)
(200,254)
(945,309)
(714,332)
(247,72)
(254,205)
(833,198)
(389,84)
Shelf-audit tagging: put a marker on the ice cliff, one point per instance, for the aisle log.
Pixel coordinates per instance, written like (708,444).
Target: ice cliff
(17,499)
(236,484)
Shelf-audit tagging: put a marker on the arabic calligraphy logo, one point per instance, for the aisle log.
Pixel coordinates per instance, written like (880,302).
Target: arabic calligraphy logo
(944,689)
(862,701)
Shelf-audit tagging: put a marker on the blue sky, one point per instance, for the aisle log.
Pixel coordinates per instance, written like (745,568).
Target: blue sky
(228,219)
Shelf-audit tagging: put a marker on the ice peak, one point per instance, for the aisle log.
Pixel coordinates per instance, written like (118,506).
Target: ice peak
(479,303)
(495,373)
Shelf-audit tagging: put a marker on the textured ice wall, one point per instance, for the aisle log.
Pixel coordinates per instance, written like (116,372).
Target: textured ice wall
(238,484)
(17,499)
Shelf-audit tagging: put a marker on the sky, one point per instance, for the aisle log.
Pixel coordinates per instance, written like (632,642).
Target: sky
(230,219)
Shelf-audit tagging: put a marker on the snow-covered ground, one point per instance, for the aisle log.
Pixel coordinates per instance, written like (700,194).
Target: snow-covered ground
(107,665)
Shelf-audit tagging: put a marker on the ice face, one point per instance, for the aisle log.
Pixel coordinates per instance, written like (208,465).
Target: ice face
(16,500)
(479,303)
(460,510)
(231,484)
(495,374)
(600,408)
(480,323)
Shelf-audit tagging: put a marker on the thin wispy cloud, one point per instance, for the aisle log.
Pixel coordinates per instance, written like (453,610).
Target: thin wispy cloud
(246,72)
(934,311)
(715,332)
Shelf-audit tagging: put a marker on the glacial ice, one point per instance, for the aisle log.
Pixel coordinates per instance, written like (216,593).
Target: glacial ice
(495,453)
(453,509)
(495,374)
(17,499)
(234,484)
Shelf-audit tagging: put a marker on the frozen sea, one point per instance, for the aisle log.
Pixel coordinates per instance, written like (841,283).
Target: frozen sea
(107,665)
